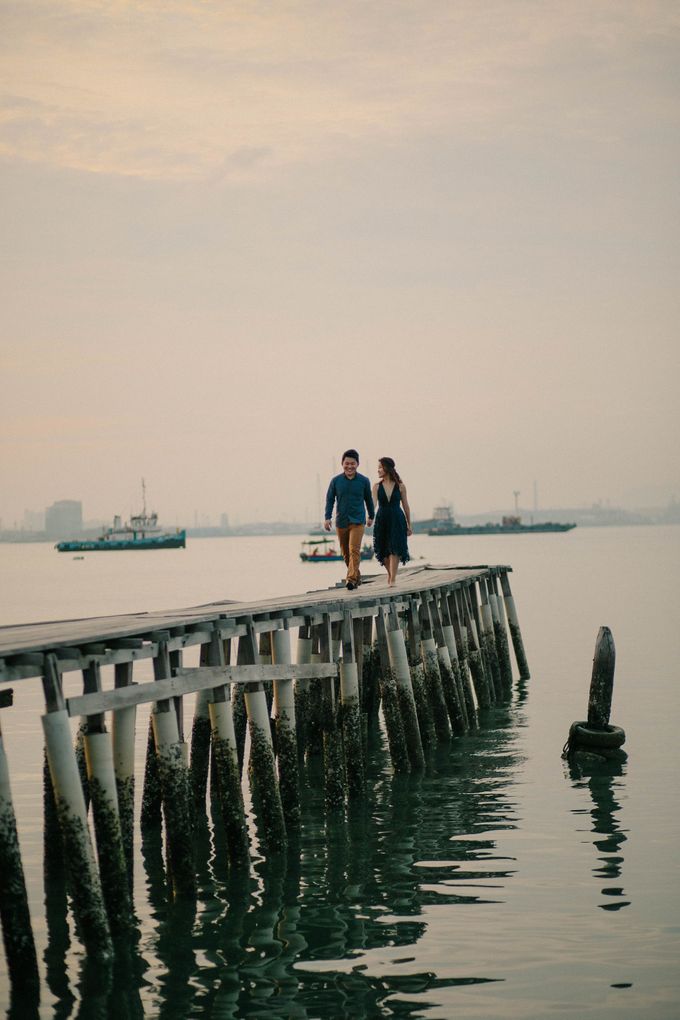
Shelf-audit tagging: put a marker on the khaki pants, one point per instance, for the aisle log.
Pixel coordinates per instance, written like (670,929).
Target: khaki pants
(350,546)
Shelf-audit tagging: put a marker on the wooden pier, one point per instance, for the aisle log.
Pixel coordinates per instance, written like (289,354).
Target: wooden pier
(275,683)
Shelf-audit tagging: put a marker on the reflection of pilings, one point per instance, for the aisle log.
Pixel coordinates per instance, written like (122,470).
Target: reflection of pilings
(102,781)
(515,632)
(350,714)
(88,902)
(286,736)
(22,962)
(394,725)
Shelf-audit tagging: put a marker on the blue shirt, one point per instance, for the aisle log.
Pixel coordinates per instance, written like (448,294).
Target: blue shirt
(351,495)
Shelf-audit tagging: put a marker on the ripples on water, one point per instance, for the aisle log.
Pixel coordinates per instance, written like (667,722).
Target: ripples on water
(502,883)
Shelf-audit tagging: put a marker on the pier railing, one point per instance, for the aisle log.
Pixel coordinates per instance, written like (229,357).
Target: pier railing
(276,681)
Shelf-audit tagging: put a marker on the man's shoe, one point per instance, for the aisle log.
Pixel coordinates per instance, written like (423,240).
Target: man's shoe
(351,586)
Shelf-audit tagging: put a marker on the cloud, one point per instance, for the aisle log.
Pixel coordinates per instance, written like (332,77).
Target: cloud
(186,89)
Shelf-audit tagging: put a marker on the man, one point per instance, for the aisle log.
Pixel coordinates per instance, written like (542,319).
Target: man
(351,491)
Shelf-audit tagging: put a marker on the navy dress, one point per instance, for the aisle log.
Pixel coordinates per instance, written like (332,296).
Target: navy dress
(389,530)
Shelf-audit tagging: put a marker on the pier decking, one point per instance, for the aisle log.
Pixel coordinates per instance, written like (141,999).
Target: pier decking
(429,655)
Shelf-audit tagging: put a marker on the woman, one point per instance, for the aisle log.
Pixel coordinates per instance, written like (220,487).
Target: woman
(392,524)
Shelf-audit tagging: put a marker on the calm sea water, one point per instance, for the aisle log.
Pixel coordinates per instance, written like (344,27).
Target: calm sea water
(498,884)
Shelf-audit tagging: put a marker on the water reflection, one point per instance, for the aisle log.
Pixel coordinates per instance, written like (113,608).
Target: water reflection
(292,938)
(601,777)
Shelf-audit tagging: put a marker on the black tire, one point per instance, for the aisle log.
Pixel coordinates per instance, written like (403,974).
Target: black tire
(583,735)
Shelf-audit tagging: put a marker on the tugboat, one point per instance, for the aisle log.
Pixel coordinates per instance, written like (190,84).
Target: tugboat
(141,532)
(444,523)
(316,550)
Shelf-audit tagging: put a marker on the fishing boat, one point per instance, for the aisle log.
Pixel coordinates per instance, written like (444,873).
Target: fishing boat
(444,523)
(322,550)
(142,531)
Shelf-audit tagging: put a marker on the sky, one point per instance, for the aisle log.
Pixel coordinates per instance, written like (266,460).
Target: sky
(240,237)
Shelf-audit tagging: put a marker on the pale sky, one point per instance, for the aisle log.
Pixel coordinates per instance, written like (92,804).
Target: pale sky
(238,238)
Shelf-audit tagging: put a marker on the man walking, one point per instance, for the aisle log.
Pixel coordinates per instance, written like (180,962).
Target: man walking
(351,491)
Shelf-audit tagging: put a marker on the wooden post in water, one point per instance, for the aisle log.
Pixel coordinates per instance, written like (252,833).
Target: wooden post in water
(123,736)
(602,680)
(104,795)
(17,934)
(488,642)
(286,735)
(396,646)
(334,766)
(423,705)
(302,688)
(174,782)
(454,706)
(262,768)
(350,713)
(225,758)
(449,638)
(502,646)
(513,624)
(200,742)
(457,615)
(479,677)
(433,680)
(85,887)
(394,722)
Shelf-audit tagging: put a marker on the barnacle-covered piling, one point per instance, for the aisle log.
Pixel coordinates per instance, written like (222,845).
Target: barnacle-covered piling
(286,736)
(513,625)
(17,933)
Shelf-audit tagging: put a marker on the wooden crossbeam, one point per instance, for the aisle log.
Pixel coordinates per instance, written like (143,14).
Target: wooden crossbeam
(188,681)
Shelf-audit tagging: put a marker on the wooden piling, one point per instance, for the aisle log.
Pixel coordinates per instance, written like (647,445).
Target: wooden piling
(602,680)
(286,735)
(488,642)
(449,638)
(433,680)
(85,886)
(499,626)
(262,766)
(420,693)
(454,706)
(302,688)
(457,617)
(334,766)
(398,658)
(175,785)
(104,796)
(394,723)
(200,742)
(513,624)
(350,713)
(17,933)
(476,663)
(123,736)
(225,758)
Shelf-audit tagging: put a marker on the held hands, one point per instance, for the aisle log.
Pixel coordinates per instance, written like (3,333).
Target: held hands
(327,525)
(369,522)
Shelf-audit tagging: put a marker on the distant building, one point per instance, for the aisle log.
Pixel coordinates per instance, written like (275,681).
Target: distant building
(224,522)
(34,520)
(64,518)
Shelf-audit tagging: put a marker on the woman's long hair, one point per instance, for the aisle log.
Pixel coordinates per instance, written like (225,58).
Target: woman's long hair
(390,470)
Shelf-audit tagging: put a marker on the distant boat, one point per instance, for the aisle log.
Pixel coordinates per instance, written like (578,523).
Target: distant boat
(141,532)
(322,550)
(444,523)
